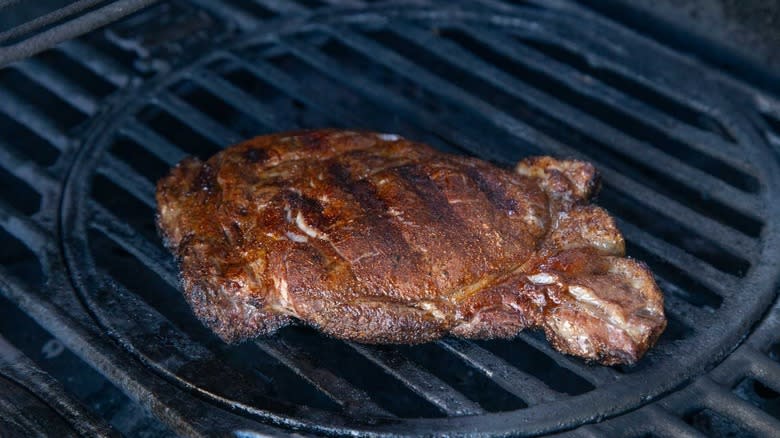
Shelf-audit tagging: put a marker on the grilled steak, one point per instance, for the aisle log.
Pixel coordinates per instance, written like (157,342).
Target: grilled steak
(374,238)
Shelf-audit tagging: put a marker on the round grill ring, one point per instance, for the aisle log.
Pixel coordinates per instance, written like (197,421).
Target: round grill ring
(82,217)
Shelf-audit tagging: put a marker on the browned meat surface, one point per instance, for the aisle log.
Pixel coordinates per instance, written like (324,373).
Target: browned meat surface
(374,238)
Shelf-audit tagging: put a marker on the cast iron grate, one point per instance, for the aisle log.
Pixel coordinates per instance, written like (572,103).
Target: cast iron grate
(692,180)
(27,29)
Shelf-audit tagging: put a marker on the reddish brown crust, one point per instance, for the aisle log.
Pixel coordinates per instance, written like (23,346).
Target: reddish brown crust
(374,238)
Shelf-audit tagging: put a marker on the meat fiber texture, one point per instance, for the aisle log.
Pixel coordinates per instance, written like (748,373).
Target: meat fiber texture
(378,239)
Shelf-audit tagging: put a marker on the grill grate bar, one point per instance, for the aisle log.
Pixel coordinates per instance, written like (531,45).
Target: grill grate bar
(40,22)
(766,333)
(153,142)
(748,360)
(608,135)
(701,141)
(194,118)
(763,368)
(726,403)
(124,176)
(353,400)
(76,25)
(58,84)
(236,97)
(661,420)
(774,139)
(94,60)
(15,365)
(26,170)
(31,117)
(651,420)
(730,239)
(25,229)
(714,279)
(423,383)
(523,385)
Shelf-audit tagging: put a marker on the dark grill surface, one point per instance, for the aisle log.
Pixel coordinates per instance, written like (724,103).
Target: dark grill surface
(690,164)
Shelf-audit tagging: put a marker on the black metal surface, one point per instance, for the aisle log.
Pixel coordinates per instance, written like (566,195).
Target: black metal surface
(26,389)
(690,166)
(30,30)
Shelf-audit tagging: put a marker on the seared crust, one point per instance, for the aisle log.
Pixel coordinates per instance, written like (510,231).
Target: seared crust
(373,238)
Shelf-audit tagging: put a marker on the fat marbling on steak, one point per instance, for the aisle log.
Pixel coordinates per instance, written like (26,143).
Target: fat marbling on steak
(378,239)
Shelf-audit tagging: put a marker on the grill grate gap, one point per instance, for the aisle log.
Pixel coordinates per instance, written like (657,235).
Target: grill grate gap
(464,379)
(62,113)
(685,287)
(220,111)
(100,45)
(281,383)
(759,395)
(254,9)
(632,88)
(360,372)
(94,84)
(126,206)
(676,330)
(455,118)
(136,277)
(19,194)
(17,259)
(712,423)
(371,116)
(293,114)
(178,132)
(774,133)
(659,181)
(628,124)
(773,122)
(139,159)
(311,4)
(34,147)
(774,352)
(674,232)
(539,365)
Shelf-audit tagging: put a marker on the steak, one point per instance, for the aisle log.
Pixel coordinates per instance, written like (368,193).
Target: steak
(377,239)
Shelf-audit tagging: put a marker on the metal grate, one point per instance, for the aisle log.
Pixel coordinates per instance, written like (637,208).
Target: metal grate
(689,171)
(27,28)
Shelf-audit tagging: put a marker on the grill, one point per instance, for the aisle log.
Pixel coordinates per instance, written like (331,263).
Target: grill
(97,337)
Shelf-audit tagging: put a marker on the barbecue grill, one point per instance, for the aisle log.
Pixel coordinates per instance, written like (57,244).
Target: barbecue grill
(95,337)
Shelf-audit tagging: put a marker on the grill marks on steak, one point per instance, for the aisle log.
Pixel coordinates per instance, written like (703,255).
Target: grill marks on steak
(377,239)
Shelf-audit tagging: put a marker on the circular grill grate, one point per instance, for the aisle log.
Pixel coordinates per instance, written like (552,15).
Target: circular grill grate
(688,177)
